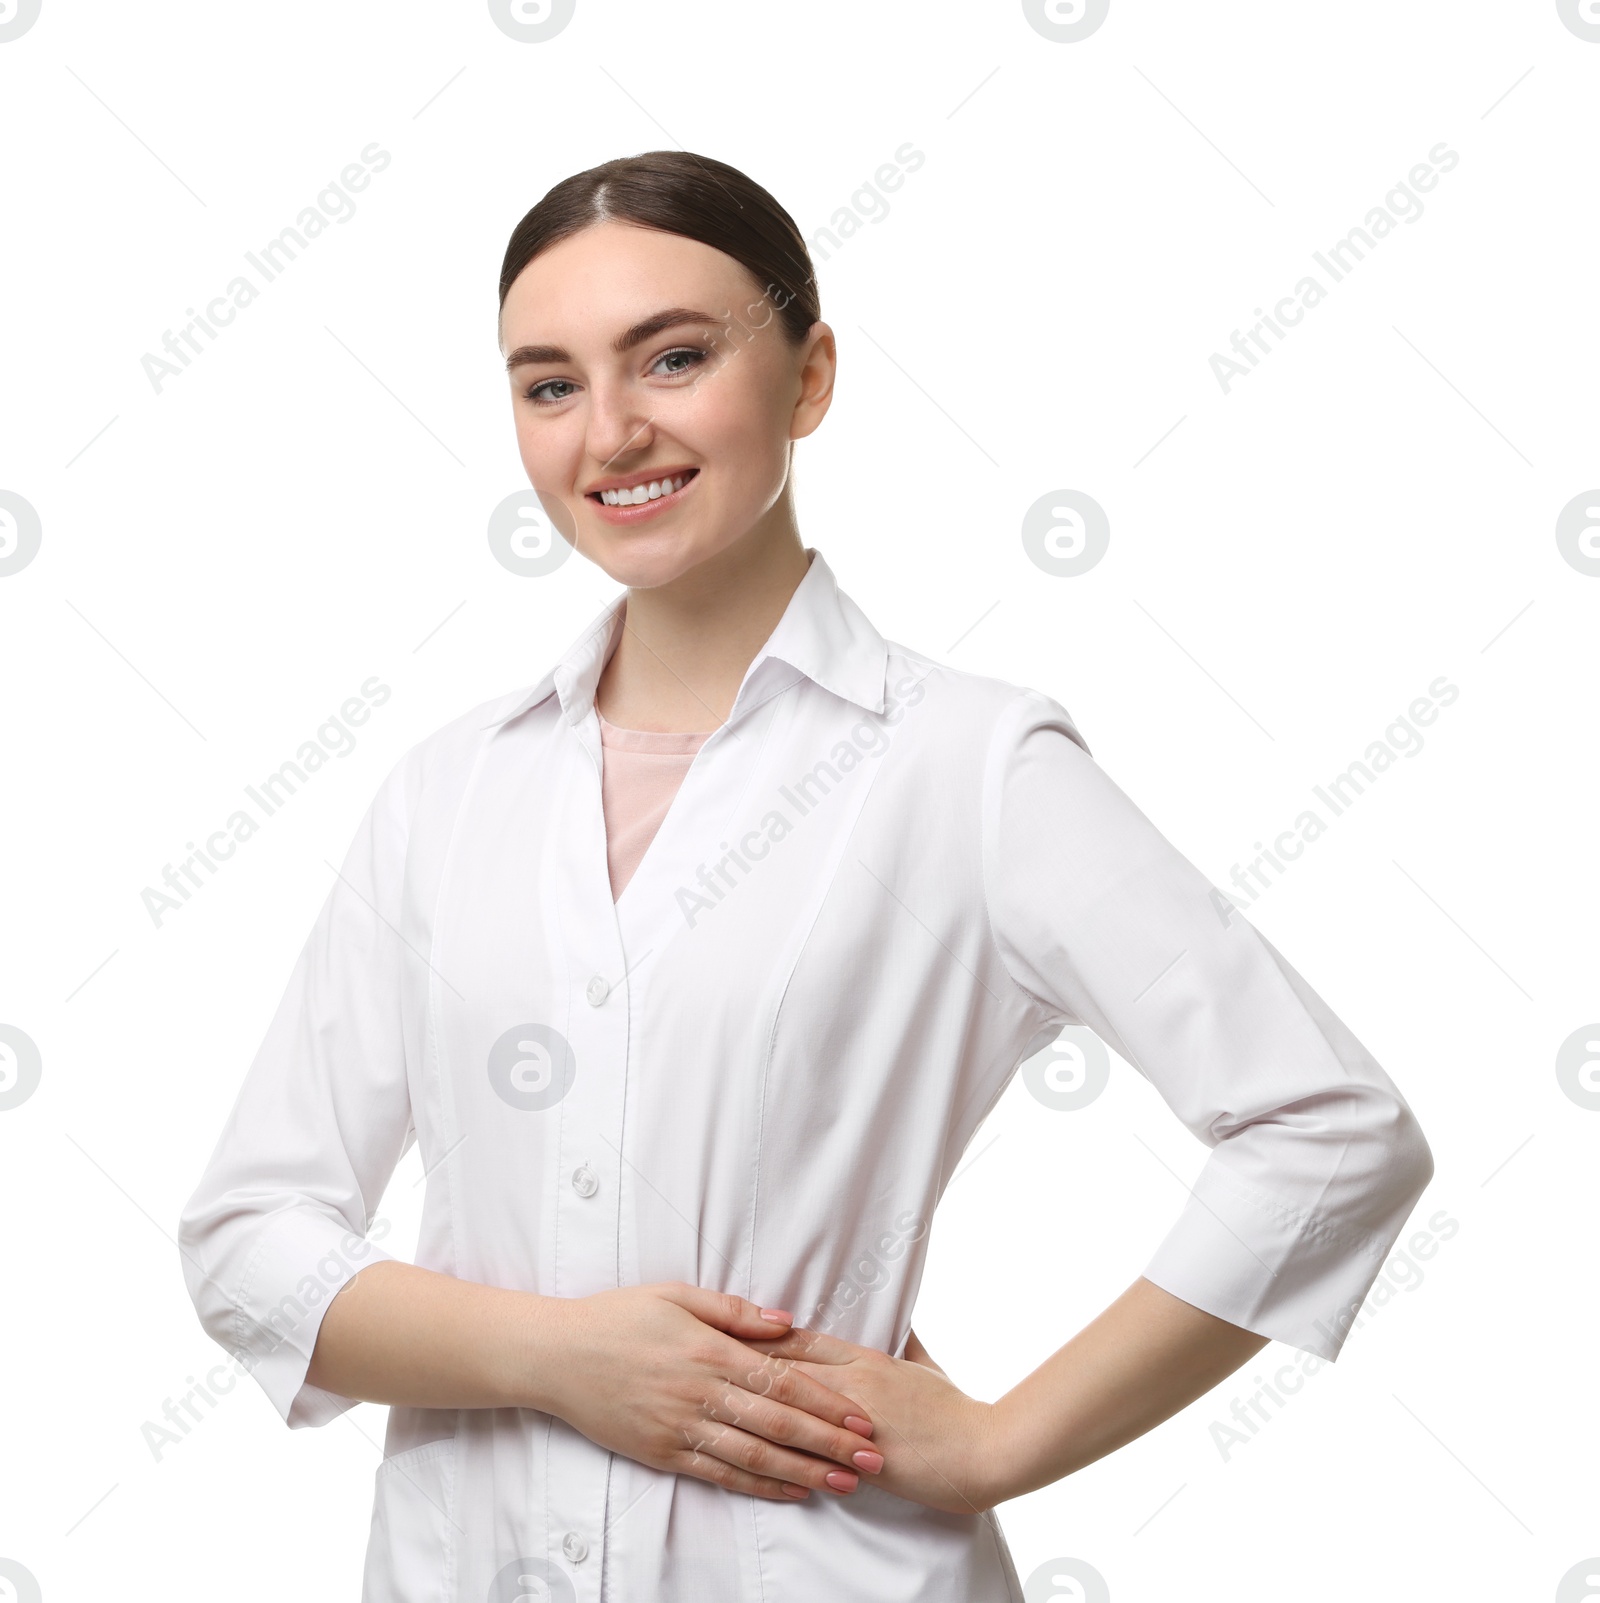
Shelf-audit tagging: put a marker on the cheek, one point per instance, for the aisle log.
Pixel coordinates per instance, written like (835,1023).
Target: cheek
(560,516)
(546,452)
(524,434)
(737,423)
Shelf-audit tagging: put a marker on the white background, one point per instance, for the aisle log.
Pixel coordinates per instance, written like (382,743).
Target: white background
(223,564)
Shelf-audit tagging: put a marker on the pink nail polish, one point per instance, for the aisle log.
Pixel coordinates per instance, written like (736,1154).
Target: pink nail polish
(796,1491)
(841,1480)
(870,1461)
(780,1316)
(862,1427)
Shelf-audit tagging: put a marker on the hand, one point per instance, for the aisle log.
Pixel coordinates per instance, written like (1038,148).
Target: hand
(655,1373)
(939,1445)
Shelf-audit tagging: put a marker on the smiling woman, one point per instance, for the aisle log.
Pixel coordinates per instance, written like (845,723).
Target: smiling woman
(617,427)
(648,1134)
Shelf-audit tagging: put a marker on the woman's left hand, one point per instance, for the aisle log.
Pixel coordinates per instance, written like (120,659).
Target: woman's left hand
(937,1443)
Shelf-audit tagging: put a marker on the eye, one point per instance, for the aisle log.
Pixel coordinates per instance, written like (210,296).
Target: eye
(534,392)
(692,357)
(680,359)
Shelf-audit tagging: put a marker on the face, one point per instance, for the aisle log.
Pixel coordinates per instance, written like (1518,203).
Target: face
(702,400)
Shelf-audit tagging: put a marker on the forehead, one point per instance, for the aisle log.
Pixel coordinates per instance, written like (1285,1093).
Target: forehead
(606,277)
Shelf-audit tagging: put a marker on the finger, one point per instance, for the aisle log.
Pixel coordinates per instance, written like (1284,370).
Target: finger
(815,1346)
(703,1467)
(785,1381)
(794,1429)
(724,1310)
(818,1373)
(753,1455)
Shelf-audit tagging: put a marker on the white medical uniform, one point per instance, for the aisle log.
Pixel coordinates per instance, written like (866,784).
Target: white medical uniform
(882,886)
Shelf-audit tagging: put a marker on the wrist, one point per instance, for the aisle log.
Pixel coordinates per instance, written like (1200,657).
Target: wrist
(988,1460)
(541,1352)
(1000,1472)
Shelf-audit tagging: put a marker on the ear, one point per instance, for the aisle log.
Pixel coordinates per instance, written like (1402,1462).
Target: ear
(819,363)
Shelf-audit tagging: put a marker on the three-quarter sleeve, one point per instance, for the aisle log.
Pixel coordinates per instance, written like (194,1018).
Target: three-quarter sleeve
(1316,1159)
(280,1219)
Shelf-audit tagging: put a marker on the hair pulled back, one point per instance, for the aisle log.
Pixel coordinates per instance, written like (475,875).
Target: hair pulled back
(679,192)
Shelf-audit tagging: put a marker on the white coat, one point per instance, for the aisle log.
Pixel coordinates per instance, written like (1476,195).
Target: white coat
(883,885)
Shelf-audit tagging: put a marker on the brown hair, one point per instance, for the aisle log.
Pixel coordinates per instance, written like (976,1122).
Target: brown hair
(681,193)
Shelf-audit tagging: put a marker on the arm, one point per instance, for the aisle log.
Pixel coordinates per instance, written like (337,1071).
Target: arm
(693,1399)
(1145,1358)
(1316,1159)
(286,1211)
(1148,1356)
(404,1335)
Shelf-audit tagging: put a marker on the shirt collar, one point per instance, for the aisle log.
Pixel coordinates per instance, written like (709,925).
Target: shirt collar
(822,633)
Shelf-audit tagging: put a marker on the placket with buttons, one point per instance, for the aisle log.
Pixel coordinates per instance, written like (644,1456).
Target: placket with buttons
(589,1190)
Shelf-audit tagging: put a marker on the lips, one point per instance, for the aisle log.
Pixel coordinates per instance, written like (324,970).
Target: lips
(637,511)
(638,489)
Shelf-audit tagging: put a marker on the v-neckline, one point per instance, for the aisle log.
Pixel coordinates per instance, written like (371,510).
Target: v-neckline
(674,806)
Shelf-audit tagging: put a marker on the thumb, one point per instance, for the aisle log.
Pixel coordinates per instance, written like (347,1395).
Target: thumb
(724,1310)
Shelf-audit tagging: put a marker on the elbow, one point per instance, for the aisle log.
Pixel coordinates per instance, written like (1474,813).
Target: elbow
(192,1261)
(1410,1158)
(189,1237)
(209,1256)
(1382,1160)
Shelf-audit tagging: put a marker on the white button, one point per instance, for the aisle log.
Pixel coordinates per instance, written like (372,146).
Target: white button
(574,1547)
(585,1182)
(598,991)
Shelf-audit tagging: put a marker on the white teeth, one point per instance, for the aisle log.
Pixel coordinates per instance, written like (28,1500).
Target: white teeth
(652,491)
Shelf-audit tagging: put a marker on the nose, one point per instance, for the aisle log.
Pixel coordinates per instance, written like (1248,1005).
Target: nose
(620,424)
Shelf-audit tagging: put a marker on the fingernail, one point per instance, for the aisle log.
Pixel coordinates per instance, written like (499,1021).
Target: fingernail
(870,1461)
(841,1480)
(796,1491)
(779,1316)
(862,1427)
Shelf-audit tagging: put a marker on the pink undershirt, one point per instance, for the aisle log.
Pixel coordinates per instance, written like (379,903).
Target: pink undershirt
(640,772)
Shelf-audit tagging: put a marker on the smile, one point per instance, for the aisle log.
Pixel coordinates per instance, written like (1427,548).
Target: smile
(651,490)
(628,502)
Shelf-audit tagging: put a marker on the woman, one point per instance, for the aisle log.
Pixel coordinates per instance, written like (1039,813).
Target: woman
(692,969)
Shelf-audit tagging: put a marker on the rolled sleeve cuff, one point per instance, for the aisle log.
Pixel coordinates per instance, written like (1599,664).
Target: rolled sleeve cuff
(303,1260)
(1283,1272)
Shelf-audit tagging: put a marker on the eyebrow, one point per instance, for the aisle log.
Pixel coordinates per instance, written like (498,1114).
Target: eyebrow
(624,342)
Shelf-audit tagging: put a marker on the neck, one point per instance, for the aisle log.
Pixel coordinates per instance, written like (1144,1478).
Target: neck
(686,645)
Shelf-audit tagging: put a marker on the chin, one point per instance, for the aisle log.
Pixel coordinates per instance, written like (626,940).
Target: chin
(646,559)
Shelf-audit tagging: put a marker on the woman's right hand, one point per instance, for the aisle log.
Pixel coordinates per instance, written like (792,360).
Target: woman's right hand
(658,1374)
